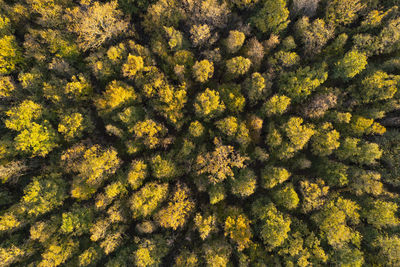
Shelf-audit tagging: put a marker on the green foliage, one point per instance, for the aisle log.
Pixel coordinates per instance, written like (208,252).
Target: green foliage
(276,105)
(302,82)
(21,117)
(350,65)
(377,86)
(342,11)
(383,214)
(286,197)
(244,184)
(234,41)
(272,176)
(271,17)
(43,194)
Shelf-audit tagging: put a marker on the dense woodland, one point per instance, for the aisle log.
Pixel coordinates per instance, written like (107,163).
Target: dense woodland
(199,133)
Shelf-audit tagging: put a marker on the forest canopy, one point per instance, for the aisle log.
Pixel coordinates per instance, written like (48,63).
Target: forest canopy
(199,133)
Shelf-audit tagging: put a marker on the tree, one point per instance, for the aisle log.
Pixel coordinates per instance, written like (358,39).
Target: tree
(325,140)
(239,230)
(21,117)
(350,65)
(205,225)
(272,176)
(94,164)
(133,65)
(234,41)
(377,86)
(58,252)
(256,87)
(238,66)
(297,133)
(163,169)
(150,252)
(306,7)
(244,184)
(95,24)
(382,214)
(388,249)
(43,194)
(228,126)
(199,34)
(178,210)
(36,140)
(314,194)
(274,224)
(137,173)
(272,17)
(74,125)
(203,70)
(149,132)
(77,221)
(196,129)
(301,83)
(342,12)
(147,199)
(79,88)
(276,105)
(7,86)
(286,197)
(116,94)
(208,104)
(334,222)
(10,54)
(217,253)
(219,164)
(319,104)
(364,153)
(313,35)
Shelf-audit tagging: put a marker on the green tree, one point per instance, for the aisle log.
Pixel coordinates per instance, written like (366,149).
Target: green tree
(301,83)
(276,105)
(77,221)
(272,176)
(335,221)
(350,65)
(163,169)
(271,17)
(388,249)
(7,86)
(382,214)
(133,65)
(377,86)
(325,140)
(342,11)
(244,184)
(58,252)
(275,225)
(286,197)
(43,194)
(74,125)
